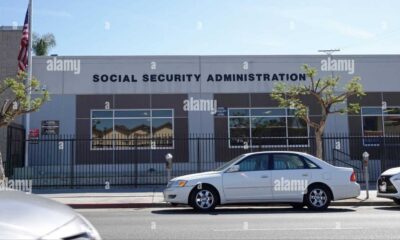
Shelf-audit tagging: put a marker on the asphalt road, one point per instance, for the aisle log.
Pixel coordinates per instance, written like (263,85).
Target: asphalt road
(247,223)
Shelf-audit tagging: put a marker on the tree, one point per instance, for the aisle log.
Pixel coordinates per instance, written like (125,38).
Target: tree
(42,44)
(16,101)
(324,91)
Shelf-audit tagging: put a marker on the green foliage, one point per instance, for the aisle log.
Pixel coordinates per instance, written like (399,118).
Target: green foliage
(17,100)
(42,44)
(325,92)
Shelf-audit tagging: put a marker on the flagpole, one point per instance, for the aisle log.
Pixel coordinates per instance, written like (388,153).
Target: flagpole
(28,83)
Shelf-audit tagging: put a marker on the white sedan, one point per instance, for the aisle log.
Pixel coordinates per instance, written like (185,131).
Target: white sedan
(28,216)
(389,184)
(272,176)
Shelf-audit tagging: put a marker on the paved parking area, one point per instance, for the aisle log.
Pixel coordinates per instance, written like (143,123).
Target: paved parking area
(247,223)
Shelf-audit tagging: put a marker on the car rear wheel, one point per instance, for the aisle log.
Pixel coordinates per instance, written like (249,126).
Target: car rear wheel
(204,199)
(397,201)
(318,198)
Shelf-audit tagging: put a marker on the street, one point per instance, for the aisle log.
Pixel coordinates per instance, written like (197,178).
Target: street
(247,223)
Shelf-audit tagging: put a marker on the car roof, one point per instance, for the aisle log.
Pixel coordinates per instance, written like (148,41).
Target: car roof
(276,151)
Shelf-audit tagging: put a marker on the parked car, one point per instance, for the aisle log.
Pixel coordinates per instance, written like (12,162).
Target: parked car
(289,177)
(388,184)
(27,216)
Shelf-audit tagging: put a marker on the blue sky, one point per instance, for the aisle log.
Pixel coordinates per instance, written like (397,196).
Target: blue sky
(212,27)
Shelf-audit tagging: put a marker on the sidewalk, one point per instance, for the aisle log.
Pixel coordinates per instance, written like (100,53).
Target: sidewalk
(152,198)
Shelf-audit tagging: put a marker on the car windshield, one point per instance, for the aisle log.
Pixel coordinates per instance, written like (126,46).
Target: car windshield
(225,165)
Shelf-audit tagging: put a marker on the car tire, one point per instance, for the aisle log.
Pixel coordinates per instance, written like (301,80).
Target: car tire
(204,199)
(297,205)
(318,198)
(397,201)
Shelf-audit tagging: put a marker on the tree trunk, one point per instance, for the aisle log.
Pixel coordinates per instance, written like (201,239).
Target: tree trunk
(318,143)
(2,173)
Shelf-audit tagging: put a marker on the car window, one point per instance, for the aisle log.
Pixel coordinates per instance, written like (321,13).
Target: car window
(288,161)
(225,165)
(310,164)
(257,162)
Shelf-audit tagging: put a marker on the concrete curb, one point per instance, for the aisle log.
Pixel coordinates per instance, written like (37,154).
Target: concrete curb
(166,205)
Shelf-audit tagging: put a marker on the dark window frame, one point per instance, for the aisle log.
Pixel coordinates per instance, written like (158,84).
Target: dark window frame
(154,138)
(249,143)
(382,114)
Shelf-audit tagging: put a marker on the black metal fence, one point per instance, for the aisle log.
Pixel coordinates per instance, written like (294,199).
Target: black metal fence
(15,146)
(75,161)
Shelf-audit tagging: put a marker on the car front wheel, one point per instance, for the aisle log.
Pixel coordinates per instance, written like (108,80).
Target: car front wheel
(397,201)
(204,199)
(318,198)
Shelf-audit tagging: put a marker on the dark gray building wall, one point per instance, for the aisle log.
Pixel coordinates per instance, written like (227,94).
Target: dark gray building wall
(9,48)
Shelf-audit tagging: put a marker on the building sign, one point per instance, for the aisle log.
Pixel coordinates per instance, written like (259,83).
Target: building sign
(50,127)
(221,112)
(33,135)
(229,77)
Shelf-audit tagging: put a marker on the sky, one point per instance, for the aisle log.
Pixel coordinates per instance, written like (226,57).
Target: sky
(212,27)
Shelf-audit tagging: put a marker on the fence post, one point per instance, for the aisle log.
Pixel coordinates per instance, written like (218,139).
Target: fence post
(198,155)
(136,162)
(365,156)
(8,160)
(72,163)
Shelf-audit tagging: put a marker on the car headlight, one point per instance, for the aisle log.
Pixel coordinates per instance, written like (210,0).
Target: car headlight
(78,228)
(178,183)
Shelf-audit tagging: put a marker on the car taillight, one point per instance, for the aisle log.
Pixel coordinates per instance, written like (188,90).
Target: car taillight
(353,177)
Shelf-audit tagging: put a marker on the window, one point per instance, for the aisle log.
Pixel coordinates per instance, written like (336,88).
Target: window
(119,129)
(288,161)
(378,122)
(391,118)
(310,164)
(258,162)
(265,127)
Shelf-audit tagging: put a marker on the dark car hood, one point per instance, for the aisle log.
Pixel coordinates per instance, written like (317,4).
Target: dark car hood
(25,216)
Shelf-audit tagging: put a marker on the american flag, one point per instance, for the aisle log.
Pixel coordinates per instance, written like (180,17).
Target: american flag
(23,47)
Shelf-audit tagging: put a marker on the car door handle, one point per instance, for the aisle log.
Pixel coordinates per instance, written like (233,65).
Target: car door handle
(264,176)
(305,175)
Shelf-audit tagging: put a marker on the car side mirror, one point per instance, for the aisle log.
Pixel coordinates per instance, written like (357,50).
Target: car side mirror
(234,168)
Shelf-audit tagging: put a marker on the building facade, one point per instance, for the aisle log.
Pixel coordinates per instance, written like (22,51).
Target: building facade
(114,99)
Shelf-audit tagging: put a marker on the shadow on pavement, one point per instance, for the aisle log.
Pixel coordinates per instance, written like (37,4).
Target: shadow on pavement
(393,208)
(242,210)
(90,189)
